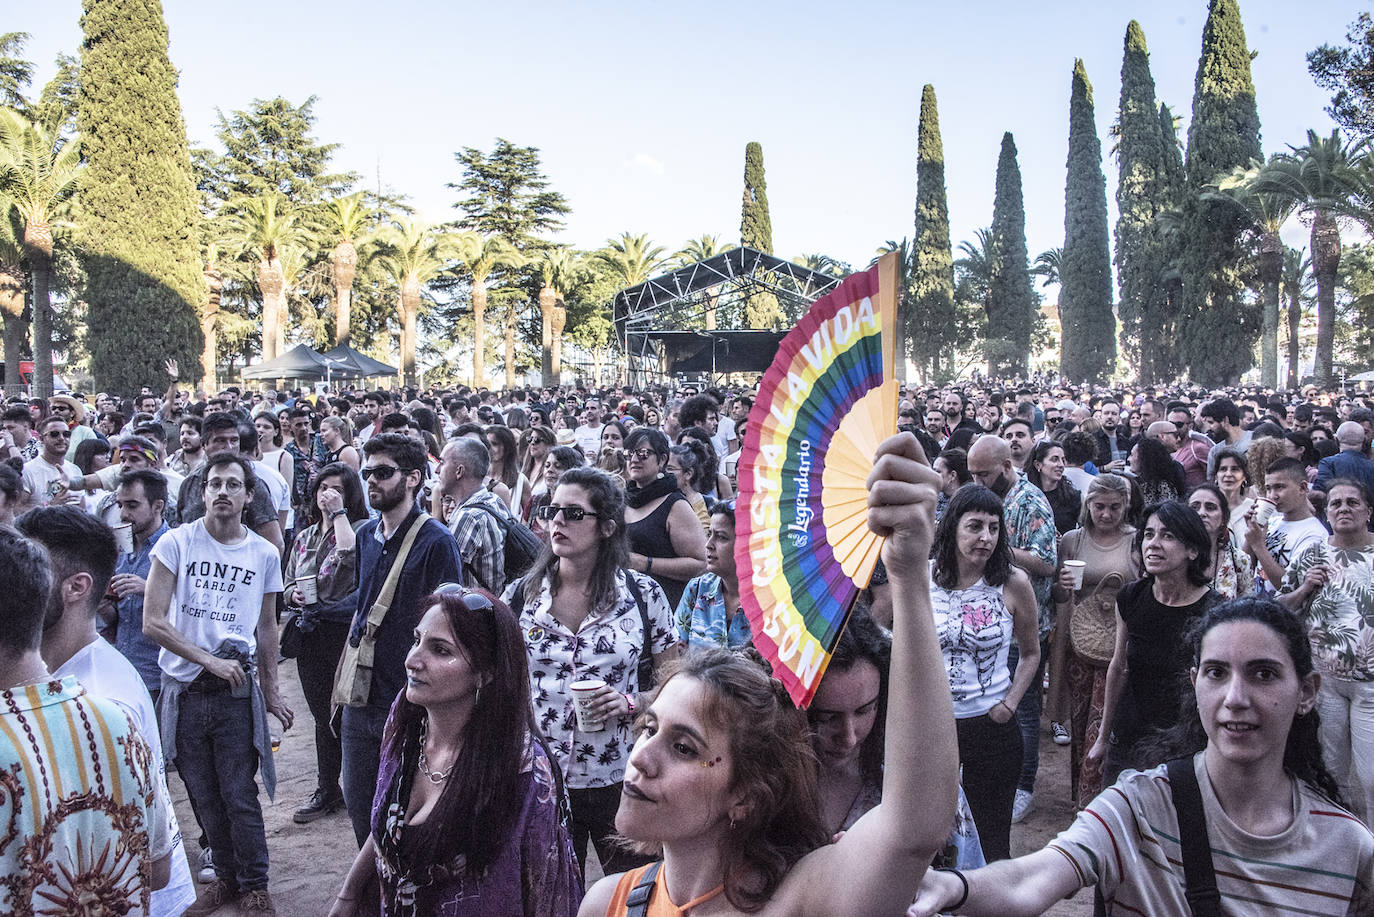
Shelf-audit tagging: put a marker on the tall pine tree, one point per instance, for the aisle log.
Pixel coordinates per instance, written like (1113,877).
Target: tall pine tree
(1139,188)
(138,227)
(931,315)
(1011,297)
(1085,270)
(1218,328)
(756,231)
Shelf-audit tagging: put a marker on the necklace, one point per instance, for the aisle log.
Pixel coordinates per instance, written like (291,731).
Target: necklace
(435,778)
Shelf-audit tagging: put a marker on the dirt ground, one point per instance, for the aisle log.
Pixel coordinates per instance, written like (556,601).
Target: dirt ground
(308,862)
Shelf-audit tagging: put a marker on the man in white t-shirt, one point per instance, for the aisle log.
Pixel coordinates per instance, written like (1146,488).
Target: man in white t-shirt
(82,551)
(46,478)
(210,604)
(1292,527)
(588,436)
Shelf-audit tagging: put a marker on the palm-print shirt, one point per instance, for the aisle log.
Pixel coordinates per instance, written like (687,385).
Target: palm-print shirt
(607,646)
(976,633)
(703,619)
(1030,527)
(1235,574)
(1340,615)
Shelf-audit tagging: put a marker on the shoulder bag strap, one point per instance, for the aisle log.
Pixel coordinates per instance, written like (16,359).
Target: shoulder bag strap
(637,904)
(393,576)
(646,656)
(1203,897)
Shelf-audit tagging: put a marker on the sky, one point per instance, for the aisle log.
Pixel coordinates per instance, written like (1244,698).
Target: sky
(641,112)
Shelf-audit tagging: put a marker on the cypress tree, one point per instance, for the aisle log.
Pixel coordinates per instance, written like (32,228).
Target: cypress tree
(138,222)
(1217,327)
(1011,298)
(756,231)
(1088,349)
(1140,183)
(1168,238)
(931,318)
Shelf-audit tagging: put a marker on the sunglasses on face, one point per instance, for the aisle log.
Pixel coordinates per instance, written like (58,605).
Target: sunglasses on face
(642,454)
(59,434)
(474,601)
(380,472)
(570,513)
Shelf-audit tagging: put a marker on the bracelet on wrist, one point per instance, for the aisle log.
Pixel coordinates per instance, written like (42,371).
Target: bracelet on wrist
(648,565)
(963,899)
(630,702)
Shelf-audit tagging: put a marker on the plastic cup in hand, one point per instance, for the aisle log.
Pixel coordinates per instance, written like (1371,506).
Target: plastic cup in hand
(584,692)
(124,538)
(1264,510)
(1076,567)
(309,589)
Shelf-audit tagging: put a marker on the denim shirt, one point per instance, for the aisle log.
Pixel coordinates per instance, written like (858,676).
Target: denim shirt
(129,637)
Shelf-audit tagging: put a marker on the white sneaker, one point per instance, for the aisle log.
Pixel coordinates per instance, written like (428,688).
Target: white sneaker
(1022,804)
(1061,734)
(206,874)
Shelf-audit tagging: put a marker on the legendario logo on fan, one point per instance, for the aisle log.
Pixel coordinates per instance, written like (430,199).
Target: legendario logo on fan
(801,521)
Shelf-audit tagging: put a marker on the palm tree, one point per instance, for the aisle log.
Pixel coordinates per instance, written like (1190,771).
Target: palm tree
(344,220)
(414,253)
(12,283)
(38,172)
(1326,181)
(1047,265)
(631,259)
(557,268)
(699,249)
(260,228)
(481,255)
(975,268)
(1268,210)
(1296,280)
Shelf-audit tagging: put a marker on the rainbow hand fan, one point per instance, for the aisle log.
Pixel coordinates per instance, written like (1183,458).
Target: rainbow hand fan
(803,548)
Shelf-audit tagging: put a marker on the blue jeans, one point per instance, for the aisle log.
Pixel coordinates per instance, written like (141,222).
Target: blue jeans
(218,764)
(361,738)
(1028,717)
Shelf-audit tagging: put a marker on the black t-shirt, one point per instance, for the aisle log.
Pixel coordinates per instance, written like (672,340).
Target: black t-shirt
(1157,657)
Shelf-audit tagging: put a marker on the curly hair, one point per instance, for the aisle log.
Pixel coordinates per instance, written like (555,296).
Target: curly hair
(1263,453)
(971,498)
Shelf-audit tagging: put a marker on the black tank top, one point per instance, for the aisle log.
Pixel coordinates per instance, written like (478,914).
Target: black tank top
(649,536)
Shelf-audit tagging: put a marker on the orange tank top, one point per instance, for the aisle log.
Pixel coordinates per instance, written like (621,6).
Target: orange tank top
(660,905)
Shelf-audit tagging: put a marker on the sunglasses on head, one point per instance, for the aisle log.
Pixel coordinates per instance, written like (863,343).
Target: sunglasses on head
(380,472)
(474,601)
(570,513)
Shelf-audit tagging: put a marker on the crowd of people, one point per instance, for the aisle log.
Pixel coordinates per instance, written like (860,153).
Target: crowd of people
(516,621)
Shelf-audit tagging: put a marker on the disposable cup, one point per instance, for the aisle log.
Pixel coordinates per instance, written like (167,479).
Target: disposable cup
(583,692)
(1264,509)
(1076,567)
(124,538)
(309,589)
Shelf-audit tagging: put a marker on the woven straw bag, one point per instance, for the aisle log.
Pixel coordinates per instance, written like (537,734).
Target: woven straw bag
(1092,622)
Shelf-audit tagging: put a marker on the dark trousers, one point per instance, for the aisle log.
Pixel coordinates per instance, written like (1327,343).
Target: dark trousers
(593,816)
(361,739)
(218,764)
(990,754)
(1028,714)
(319,657)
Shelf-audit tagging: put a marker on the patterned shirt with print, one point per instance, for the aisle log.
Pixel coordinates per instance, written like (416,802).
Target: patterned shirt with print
(1030,527)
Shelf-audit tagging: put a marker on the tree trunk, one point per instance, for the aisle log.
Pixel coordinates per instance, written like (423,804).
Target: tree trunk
(345,266)
(559,322)
(548,301)
(1294,345)
(1271,274)
(1326,260)
(479,332)
(410,312)
(512,316)
(12,281)
(38,249)
(209,327)
(272,283)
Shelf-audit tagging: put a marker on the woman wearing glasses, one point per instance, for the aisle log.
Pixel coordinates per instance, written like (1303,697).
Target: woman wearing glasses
(468,818)
(589,621)
(666,538)
(558,460)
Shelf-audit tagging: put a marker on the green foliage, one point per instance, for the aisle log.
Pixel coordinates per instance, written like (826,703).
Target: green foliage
(16,73)
(1011,300)
(1356,332)
(929,317)
(1348,73)
(755,225)
(508,196)
(269,147)
(1218,325)
(1085,272)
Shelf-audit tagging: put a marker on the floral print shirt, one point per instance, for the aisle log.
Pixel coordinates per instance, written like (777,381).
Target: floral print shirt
(1030,527)
(703,619)
(607,646)
(1340,615)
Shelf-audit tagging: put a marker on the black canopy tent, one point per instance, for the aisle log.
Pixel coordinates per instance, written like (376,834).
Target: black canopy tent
(302,362)
(661,323)
(349,362)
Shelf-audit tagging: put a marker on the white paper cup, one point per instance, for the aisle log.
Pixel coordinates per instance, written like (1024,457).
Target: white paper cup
(1264,509)
(1076,567)
(309,589)
(124,538)
(583,692)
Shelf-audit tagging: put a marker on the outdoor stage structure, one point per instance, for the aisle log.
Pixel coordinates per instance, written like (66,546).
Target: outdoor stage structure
(665,328)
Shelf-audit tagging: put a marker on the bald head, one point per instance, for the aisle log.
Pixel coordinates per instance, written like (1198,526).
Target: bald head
(1350,435)
(989,464)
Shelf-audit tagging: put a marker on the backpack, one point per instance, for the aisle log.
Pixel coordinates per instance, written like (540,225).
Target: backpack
(522,545)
